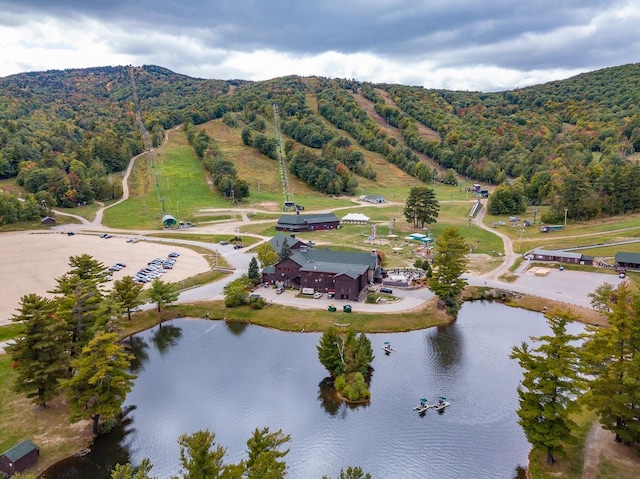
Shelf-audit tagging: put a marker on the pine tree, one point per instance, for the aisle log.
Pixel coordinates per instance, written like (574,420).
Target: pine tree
(285,251)
(100,381)
(127,293)
(421,207)
(263,449)
(449,264)
(200,457)
(127,471)
(352,472)
(612,358)
(550,385)
(40,352)
(254,272)
(162,293)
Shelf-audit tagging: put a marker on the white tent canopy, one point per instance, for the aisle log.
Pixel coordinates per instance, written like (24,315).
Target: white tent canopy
(355,218)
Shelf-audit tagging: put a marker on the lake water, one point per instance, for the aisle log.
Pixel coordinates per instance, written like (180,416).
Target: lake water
(233,378)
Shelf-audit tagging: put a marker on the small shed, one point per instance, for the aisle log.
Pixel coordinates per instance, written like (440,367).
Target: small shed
(374,199)
(169,221)
(48,221)
(19,458)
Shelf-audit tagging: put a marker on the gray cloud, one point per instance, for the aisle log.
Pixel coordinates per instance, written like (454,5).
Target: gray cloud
(506,34)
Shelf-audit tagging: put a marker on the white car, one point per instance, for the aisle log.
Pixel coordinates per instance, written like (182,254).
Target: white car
(317,295)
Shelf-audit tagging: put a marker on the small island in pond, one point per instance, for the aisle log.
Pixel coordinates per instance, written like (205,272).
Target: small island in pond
(348,359)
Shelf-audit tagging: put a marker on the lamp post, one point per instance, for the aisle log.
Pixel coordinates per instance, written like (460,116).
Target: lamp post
(178,208)
(565,217)
(535,210)
(520,242)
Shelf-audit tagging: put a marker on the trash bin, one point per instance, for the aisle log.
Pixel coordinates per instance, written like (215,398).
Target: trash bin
(346,308)
(331,308)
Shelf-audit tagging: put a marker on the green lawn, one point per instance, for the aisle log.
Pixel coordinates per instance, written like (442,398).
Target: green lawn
(179,187)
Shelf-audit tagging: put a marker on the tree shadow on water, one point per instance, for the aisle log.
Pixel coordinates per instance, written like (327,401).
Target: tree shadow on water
(166,337)
(107,450)
(332,403)
(137,346)
(236,327)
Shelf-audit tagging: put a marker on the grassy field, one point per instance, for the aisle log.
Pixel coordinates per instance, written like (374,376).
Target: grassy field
(171,181)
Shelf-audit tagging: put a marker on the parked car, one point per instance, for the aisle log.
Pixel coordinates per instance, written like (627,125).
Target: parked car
(224,243)
(331,295)
(317,295)
(386,290)
(173,255)
(279,290)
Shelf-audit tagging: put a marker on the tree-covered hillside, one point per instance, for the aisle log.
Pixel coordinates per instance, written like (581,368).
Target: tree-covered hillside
(569,144)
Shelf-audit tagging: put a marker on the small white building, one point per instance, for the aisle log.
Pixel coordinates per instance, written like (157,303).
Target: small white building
(355,218)
(374,199)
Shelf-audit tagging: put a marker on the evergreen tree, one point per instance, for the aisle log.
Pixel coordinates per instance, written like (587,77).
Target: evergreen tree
(612,358)
(263,449)
(200,457)
(162,293)
(100,381)
(40,352)
(352,473)
(421,207)
(449,264)
(127,293)
(254,272)
(80,307)
(84,268)
(127,471)
(549,388)
(285,251)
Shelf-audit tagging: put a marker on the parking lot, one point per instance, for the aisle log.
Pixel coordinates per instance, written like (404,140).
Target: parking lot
(32,261)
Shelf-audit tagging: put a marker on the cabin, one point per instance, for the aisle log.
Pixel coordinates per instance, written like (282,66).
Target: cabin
(560,257)
(19,458)
(309,222)
(48,221)
(627,261)
(346,274)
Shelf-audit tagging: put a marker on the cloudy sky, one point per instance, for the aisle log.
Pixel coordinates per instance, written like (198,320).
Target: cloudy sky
(483,45)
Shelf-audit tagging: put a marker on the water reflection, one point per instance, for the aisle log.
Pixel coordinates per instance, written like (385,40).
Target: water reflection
(332,404)
(113,448)
(236,327)
(209,374)
(137,347)
(446,346)
(166,336)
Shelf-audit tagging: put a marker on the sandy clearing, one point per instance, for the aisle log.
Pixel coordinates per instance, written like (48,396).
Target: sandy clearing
(32,261)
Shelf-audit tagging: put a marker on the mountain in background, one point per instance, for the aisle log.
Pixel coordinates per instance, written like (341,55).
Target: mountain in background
(567,144)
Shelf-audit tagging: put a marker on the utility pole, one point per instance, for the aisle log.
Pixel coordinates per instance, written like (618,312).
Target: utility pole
(565,217)
(520,242)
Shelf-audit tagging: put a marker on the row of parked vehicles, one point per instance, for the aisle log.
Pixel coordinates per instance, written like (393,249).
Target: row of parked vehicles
(155,268)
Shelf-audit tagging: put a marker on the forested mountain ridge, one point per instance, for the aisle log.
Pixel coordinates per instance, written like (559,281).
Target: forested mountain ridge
(565,143)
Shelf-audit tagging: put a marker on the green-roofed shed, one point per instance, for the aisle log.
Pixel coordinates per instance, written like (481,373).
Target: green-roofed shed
(627,260)
(19,458)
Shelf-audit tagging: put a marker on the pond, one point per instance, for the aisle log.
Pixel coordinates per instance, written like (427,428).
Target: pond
(233,378)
